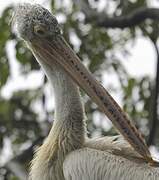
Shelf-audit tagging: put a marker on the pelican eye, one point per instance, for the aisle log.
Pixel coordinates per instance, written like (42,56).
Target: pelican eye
(40,31)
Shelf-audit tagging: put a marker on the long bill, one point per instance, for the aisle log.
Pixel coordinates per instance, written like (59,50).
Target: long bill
(60,52)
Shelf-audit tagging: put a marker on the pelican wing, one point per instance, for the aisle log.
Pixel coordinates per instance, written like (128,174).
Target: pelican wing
(114,144)
(92,164)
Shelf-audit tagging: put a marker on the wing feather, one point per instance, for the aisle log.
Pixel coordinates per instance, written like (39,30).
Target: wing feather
(98,161)
(114,144)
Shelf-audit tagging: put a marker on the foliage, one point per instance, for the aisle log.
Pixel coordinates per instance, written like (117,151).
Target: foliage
(19,122)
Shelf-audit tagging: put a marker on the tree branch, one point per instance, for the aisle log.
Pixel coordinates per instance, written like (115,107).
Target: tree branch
(101,19)
(155,96)
(132,19)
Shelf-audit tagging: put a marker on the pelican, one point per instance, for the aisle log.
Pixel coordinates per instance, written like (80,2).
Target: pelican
(67,153)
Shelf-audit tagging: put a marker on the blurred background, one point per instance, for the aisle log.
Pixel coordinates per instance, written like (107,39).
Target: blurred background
(118,42)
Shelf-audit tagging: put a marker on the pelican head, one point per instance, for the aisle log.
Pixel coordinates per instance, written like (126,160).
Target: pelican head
(34,21)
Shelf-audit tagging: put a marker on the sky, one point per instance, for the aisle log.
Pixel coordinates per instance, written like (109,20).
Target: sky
(142,60)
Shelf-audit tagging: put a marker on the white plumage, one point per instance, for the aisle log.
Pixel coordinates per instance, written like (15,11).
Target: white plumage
(107,158)
(92,164)
(67,153)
